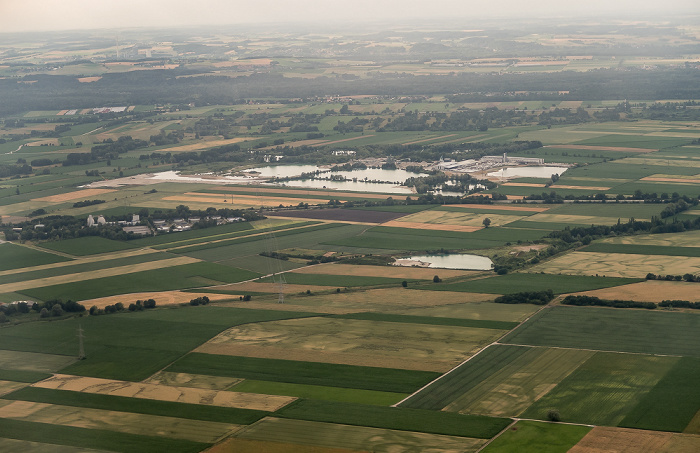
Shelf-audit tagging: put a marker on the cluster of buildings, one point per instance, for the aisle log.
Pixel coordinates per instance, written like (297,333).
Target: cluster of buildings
(161,226)
(485,163)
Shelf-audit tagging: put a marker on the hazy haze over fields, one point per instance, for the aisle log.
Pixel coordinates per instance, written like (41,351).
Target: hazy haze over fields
(40,15)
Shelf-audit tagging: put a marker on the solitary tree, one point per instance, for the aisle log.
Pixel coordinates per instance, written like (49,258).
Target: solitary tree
(486,222)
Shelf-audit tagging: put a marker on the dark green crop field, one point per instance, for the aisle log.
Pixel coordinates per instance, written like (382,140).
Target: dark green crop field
(607,329)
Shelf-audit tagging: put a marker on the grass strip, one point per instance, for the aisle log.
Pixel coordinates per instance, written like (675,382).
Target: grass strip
(672,403)
(94,438)
(435,422)
(23,375)
(296,372)
(138,405)
(435,321)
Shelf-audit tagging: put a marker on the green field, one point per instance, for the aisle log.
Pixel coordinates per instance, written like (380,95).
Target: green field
(672,403)
(338,281)
(395,418)
(320,392)
(514,283)
(94,438)
(310,373)
(175,277)
(89,245)
(605,329)
(131,346)
(604,389)
(17,257)
(528,436)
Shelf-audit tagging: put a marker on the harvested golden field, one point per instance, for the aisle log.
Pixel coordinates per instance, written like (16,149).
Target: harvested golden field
(203,144)
(77,277)
(356,437)
(70,196)
(165,392)
(125,422)
(649,291)
(161,297)
(354,342)
(10,386)
(682,443)
(603,439)
(236,445)
(618,265)
(452,218)
(685,239)
(675,178)
(430,226)
(381,271)
(198,381)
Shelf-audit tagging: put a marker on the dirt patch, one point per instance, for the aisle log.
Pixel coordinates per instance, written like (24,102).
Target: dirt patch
(340,215)
(431,226)
(88,79)
(165,392)
(74,195)
(381,271)
(604,148)
(602,439)
(649,291)
(527,248)
(162,298)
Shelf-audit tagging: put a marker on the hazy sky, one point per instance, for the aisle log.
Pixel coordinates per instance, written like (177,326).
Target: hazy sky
(38,15)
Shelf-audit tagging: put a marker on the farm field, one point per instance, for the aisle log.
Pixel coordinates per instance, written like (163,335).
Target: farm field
(618,265)
(344,341)
(295,350)
(533,437)
(331,435)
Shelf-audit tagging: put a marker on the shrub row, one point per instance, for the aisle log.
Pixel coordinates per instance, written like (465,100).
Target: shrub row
(527,297)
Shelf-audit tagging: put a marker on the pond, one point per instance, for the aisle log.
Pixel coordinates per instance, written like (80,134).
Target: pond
(385,181)
(527,172)
(456,261)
